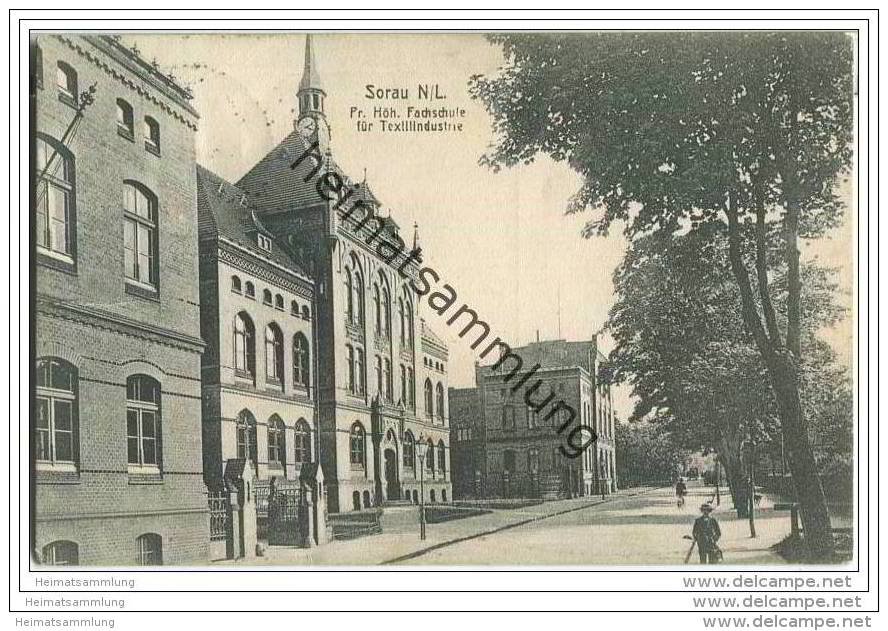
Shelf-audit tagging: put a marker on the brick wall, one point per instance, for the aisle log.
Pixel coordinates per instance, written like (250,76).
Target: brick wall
(85,315)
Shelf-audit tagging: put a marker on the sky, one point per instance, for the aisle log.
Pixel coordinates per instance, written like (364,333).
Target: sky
(501,240)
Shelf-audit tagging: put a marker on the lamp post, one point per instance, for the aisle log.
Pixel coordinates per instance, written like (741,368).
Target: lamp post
(421,449)
(747,448)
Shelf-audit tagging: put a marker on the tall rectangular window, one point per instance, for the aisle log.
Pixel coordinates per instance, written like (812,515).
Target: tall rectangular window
(54,199)
(140,236)
(56,414)
(143,422)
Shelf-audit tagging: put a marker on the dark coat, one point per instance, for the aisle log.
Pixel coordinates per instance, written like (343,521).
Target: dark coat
(706,532)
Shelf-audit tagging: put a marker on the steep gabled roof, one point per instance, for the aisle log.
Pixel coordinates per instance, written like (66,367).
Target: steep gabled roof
(427,334)
(221,213)
(273,184)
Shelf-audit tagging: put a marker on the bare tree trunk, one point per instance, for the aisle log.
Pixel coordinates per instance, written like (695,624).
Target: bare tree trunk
(782,363)
(730,459)
(806,481)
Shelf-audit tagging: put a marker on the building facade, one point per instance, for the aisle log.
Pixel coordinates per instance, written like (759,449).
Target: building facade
(511,439)
(258,306)
(116,438)
(380,406)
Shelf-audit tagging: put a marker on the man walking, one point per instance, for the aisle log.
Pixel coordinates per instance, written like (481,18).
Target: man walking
(706,534)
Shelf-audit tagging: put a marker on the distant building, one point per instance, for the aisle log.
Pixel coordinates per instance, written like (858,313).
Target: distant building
(116,439)
(505,446)
(466,433)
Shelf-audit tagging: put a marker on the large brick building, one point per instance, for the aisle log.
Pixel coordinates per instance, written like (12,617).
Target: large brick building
(380,377)
(506,443)
(116,439)
(257,306)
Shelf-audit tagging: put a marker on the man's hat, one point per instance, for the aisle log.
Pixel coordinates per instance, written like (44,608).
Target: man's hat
(706,506)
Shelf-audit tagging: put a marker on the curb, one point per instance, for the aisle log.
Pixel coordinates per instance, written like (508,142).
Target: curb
(492,531)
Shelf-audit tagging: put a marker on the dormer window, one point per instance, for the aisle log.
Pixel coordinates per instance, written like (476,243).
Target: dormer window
(264,242)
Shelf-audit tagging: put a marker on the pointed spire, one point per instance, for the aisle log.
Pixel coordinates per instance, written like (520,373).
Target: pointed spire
(311,80)
(415,235)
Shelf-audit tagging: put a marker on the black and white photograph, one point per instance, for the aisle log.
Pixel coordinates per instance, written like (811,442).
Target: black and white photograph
(428,299)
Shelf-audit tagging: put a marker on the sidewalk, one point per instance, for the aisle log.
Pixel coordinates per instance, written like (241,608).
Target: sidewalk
(400,546)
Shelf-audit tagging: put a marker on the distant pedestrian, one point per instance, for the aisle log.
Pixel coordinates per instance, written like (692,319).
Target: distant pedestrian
(680,491)
(706,534)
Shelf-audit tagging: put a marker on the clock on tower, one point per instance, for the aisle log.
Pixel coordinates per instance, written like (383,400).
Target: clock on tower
(312,123)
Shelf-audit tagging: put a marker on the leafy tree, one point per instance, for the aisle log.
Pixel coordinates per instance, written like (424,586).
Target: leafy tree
(645,453)
(674,131)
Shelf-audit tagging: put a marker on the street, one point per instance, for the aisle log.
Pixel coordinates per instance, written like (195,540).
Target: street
(634,527)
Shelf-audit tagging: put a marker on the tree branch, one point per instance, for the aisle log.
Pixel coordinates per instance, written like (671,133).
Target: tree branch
(761,268)
(750,313)
(794,283)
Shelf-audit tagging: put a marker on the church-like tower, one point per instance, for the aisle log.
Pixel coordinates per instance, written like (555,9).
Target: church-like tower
(312,122)
(381,373)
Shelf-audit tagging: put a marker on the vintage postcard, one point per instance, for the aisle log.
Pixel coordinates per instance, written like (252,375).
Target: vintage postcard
(500,299)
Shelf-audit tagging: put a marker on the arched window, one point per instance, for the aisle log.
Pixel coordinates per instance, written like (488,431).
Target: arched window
(236,284)
(55,440)
(439,401)
(403,374)
(143,432)
(402,322)
(249,290)
(350,362)
(279,302)
(244,345)
(356,500)
(377,309)
(151,131)
(432,496)
(66,81)
(349,296)
(302,442)
(277,442)
(359,371)
(388,379)
(149,549)
(294,308)
(266,296)
(246,437)
(55,197)
(359,297)
(124,119)
(408,320)
(274,354)
(430,455)
(61,553)
(386,313)
(411,386)
(356,444)
(306,312)
(508,417)
(429,401)
(409,450)
(301,371)
(140,235)
(378,371)
(442,457)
